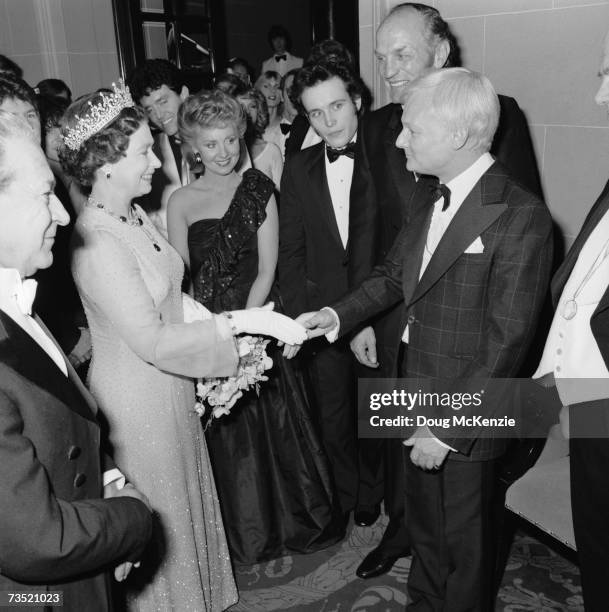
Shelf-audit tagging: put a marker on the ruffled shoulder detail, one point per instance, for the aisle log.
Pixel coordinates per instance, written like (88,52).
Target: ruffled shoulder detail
(245,214)
(250,199)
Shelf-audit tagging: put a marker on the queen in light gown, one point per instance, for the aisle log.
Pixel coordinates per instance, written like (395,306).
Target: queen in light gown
(145,355)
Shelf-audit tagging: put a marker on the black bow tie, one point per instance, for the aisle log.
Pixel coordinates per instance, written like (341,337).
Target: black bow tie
(279,58)
(285,128)
(440,190)
(334,154)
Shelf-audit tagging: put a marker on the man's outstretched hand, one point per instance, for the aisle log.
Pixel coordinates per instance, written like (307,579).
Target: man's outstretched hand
(318,323)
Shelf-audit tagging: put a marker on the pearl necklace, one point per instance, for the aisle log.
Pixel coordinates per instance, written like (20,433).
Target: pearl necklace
(135,220)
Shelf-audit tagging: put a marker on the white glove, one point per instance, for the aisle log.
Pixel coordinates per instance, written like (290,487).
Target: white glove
(268,323)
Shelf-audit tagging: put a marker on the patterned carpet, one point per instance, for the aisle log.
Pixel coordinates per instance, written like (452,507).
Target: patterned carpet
(536,579)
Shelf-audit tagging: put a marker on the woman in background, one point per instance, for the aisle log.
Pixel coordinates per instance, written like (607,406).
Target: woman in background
(266,156)
(269,85)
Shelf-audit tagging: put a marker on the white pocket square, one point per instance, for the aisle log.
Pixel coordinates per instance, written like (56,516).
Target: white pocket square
(475,247)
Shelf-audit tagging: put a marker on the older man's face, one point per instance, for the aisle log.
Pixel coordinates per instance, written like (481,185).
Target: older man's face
(602,95)
(403,51)
(29,210)
(425,137)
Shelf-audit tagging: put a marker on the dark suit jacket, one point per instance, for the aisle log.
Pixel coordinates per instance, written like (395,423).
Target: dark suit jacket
(399,196)
(599,322)
(472,315)
(314,267)
(55,531)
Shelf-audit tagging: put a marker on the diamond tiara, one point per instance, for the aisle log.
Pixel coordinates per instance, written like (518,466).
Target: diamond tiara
(99,115)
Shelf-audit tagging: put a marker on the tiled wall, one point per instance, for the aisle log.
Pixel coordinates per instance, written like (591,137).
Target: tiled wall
(73,40)
(546,54)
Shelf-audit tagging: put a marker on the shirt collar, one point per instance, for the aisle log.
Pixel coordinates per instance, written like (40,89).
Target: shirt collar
(353,140)
(10,281)
(12,291)
(463,183)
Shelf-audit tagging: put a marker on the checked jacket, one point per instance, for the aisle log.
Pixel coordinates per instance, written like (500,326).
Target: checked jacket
(471,315)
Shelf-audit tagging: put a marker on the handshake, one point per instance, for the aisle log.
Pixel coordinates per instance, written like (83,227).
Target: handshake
(290,332)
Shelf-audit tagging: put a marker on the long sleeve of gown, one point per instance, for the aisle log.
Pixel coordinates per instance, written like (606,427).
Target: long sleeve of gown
(109,278)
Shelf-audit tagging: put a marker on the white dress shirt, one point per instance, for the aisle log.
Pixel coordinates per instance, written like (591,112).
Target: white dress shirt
(282,66)
(571,352)
(11,288)
(15,297)
(460,187)
(339,174)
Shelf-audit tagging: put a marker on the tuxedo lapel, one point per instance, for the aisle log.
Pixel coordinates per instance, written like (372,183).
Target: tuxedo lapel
(396,160)
(362,218)
(19,350)
(594,216)
(316,170)
(414,244)
(480,209)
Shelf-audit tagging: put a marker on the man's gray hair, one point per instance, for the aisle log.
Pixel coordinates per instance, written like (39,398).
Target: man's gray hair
(11,127)
(463,99)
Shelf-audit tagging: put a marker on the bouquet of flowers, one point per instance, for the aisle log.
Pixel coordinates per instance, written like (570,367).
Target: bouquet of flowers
(221,394)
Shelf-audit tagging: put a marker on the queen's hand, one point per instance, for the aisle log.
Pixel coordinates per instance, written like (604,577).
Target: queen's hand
(267,323)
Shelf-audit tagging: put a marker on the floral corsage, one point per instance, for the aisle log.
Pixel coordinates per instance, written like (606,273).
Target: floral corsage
(221,394)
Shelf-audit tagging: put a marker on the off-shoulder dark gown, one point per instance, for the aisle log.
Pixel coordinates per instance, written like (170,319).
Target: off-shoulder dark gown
(272,475)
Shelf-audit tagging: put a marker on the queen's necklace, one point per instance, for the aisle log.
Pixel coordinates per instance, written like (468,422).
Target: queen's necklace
(135,220)
(569,309)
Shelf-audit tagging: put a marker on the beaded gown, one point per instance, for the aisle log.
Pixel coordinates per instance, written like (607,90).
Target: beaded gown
(126,286)
(273,477)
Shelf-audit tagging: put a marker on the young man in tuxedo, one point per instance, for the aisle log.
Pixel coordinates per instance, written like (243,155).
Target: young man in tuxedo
(282,61)
(159,88)
(470,274)
(324,233)
(412,40)
(56,531)
(576,362)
